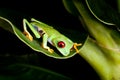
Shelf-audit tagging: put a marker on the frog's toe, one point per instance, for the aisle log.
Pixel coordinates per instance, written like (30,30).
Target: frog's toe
(28,35)
(50,50)
(75,47)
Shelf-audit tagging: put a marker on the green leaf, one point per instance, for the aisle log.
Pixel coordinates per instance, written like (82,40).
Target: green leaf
(35,44)
(104,12)
(28,72)
(70,7)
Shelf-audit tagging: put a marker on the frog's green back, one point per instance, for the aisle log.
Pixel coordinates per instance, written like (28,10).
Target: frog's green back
(55,37)
(46,28)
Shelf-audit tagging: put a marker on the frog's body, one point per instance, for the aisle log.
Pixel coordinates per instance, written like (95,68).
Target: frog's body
(49,34)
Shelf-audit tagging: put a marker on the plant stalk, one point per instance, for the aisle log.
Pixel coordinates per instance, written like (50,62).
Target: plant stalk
(105,55)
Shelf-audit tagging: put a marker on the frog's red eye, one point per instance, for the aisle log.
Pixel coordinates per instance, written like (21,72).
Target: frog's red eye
(61,44)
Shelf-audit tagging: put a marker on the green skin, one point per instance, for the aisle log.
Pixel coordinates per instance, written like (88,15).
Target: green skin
(48,34)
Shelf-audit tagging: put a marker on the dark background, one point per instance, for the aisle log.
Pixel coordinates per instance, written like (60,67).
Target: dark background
(53,12)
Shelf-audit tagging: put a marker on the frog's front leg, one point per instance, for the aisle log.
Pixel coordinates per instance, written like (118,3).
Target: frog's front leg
(75,47)
(44,43)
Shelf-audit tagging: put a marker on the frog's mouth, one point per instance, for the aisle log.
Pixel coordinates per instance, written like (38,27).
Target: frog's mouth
(75,45)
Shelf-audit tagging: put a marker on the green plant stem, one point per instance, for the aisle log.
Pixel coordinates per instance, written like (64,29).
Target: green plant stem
(118,5)
(92,53)
(105,59)
(95,28)
(95,57)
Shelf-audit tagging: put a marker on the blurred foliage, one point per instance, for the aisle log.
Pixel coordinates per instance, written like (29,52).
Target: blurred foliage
(14,54)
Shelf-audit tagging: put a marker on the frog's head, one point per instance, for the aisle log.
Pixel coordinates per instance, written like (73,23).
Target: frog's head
(63,45)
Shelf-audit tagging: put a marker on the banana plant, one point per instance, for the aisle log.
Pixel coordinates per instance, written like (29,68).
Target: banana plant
(102,49)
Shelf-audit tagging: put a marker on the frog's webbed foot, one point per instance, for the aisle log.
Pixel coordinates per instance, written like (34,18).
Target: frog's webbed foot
(48,48)
(75,45)
(28,35)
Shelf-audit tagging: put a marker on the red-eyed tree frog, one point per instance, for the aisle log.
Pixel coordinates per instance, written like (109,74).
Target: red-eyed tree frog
(63,44)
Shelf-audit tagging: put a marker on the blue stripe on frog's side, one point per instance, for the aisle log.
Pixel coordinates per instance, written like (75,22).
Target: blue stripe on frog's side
(40,31)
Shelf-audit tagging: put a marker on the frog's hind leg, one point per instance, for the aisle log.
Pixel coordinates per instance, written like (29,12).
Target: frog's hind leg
(27,34)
